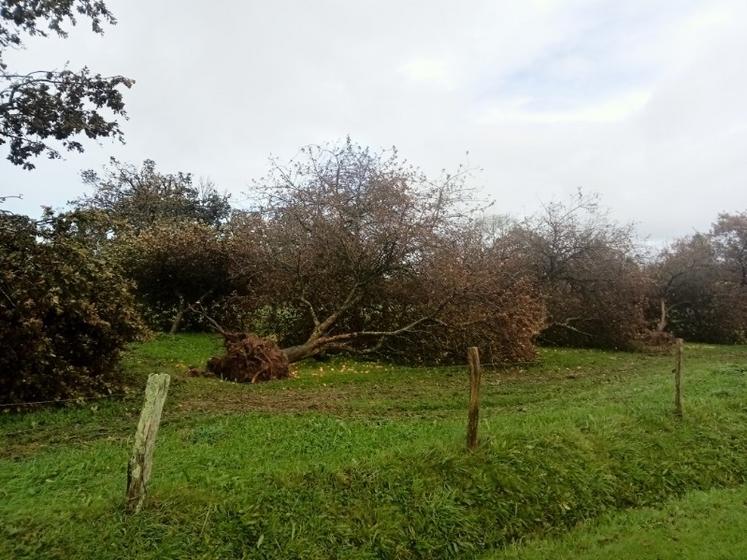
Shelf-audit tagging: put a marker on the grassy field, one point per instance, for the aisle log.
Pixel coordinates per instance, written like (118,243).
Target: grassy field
(580,457)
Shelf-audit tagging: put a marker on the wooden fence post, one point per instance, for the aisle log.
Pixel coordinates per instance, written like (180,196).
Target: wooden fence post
(678,348)
(473,358)
(141,462)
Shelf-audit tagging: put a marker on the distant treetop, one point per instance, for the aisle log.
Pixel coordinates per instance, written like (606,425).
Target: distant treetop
(142,197)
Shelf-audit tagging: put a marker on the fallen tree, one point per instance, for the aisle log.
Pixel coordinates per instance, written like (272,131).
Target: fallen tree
(360,252)
(349,250)
(247,358)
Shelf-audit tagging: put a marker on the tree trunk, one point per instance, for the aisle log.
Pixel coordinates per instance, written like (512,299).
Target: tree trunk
(302,351)
(663,317)
(178,317)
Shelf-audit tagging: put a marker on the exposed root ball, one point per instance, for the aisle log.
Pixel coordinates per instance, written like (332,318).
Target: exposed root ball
(249,359)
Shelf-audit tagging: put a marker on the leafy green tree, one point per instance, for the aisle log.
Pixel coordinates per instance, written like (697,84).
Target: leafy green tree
(41,108)
(166,232)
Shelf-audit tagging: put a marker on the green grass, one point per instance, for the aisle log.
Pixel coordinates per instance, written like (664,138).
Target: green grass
(702,526)
(365,460)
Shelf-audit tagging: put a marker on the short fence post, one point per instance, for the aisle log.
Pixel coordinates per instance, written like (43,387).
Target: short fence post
(473,358)
(141,462)
(678,348)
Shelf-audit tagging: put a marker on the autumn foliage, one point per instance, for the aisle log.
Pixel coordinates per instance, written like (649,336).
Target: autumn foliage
(585,266)
(369,256)
(699,284)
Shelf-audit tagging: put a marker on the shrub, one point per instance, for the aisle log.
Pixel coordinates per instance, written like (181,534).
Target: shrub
(65,312)
(699,284)
(175,265)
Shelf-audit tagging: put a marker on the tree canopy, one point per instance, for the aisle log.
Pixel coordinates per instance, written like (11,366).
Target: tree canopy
(41,110)
(365,252)
(699,282)
(585,266)
(139,198)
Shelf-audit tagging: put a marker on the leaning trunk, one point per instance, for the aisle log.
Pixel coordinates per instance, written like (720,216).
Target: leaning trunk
(178,317)
(662,317)
(302,351)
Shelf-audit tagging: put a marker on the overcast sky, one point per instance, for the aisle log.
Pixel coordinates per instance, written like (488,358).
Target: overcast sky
(640,101)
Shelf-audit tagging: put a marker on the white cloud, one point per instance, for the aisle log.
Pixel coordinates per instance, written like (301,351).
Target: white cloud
(613,110)
(429,70)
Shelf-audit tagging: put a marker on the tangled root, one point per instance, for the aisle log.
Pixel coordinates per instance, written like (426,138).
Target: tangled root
(249,359)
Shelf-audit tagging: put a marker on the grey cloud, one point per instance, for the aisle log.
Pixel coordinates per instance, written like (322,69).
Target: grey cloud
(653,118)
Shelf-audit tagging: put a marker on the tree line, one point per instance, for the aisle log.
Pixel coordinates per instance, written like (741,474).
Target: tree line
(345,249)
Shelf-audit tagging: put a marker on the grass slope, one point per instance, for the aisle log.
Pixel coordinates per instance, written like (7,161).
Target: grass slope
(702,526)
(353,460)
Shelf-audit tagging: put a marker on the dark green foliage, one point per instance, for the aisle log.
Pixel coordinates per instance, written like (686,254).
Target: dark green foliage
(175,265)
(165,231)
(41,107)
(139,198)
(65,312)
(18,17)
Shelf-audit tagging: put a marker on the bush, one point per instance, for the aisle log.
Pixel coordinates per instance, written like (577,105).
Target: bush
(494,307)
(175,265)
(65,312)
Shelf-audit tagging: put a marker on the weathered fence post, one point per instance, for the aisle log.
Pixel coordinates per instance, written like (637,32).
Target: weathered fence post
(678,347)
(473,358)
(141,462)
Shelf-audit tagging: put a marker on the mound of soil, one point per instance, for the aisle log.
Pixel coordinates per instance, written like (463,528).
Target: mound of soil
(249,359)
